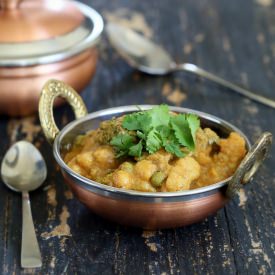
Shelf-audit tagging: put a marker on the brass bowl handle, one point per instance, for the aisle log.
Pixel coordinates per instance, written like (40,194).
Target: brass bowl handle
(51,90)
(250,164)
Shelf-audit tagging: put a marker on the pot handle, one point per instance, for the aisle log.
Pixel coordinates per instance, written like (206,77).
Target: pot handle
(250,164)
(51,90)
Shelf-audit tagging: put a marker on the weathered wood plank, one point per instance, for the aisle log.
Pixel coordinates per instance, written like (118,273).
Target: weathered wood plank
(231,38)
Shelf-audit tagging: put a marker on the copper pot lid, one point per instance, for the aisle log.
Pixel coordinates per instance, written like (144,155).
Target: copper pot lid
(34,32)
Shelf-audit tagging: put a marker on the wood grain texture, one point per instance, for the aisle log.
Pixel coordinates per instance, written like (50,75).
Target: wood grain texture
(235,39)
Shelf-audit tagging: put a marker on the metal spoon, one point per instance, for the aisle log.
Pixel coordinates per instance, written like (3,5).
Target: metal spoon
(23,169)
(150,58)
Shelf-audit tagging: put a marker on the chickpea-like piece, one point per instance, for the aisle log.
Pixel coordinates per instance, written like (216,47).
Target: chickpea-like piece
(127,166)
(158,178)
(85,159)
(94,172)
(176,182)
(143,186)
(122,179)
(187,167)
(144,169)
(105,156)
(77,168)
(183,174)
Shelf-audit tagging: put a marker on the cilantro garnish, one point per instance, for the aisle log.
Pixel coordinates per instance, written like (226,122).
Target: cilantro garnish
(156,128)
(122,142)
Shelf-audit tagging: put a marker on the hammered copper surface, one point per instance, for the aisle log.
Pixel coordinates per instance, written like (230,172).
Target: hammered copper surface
(23,85)
(9,4)
(150,215)
(36,20)
(25,24)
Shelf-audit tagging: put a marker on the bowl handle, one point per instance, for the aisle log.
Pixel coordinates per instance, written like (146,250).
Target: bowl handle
(51,90)
(250,164)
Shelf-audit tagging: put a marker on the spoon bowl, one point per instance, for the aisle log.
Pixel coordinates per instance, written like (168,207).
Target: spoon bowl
(140,52)
(23,169)
(148,57)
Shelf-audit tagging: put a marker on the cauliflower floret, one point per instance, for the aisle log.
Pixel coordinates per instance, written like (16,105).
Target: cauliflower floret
(85,159)
(105,157)
(185,171)
(161,158)
(122,179)
(144,169)
(143,186)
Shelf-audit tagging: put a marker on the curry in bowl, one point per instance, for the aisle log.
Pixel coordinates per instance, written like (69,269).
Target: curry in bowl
(132,151)
(155,151)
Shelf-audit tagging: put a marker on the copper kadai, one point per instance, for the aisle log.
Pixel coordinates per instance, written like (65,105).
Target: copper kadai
(40,40)
(149,210)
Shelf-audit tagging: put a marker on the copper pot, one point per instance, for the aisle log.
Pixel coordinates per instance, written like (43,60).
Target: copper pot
(40,40)
(143,209)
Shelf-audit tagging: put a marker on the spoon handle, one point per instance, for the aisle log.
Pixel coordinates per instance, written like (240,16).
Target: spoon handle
(201,72)
(30,253)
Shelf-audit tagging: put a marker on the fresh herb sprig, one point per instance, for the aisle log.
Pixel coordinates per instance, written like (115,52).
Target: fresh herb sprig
(156,128)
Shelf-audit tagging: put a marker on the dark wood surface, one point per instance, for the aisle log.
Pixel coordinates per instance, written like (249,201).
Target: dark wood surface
(236,40)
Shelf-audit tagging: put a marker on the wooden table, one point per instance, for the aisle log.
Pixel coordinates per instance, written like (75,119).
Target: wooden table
(236,40)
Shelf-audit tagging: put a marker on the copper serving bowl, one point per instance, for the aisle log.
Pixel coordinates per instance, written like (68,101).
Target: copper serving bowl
(134,208)
(40,40)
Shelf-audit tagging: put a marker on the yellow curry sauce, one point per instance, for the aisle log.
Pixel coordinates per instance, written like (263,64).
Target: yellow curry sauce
(214,159)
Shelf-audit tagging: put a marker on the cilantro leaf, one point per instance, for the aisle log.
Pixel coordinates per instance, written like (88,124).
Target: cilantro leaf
(194,124)
(153,141)
(137,121)
(156,128)
(173,148)
(141,135)
(164,131)
(122,142)
(160,115)
(182,131)
(136,150)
